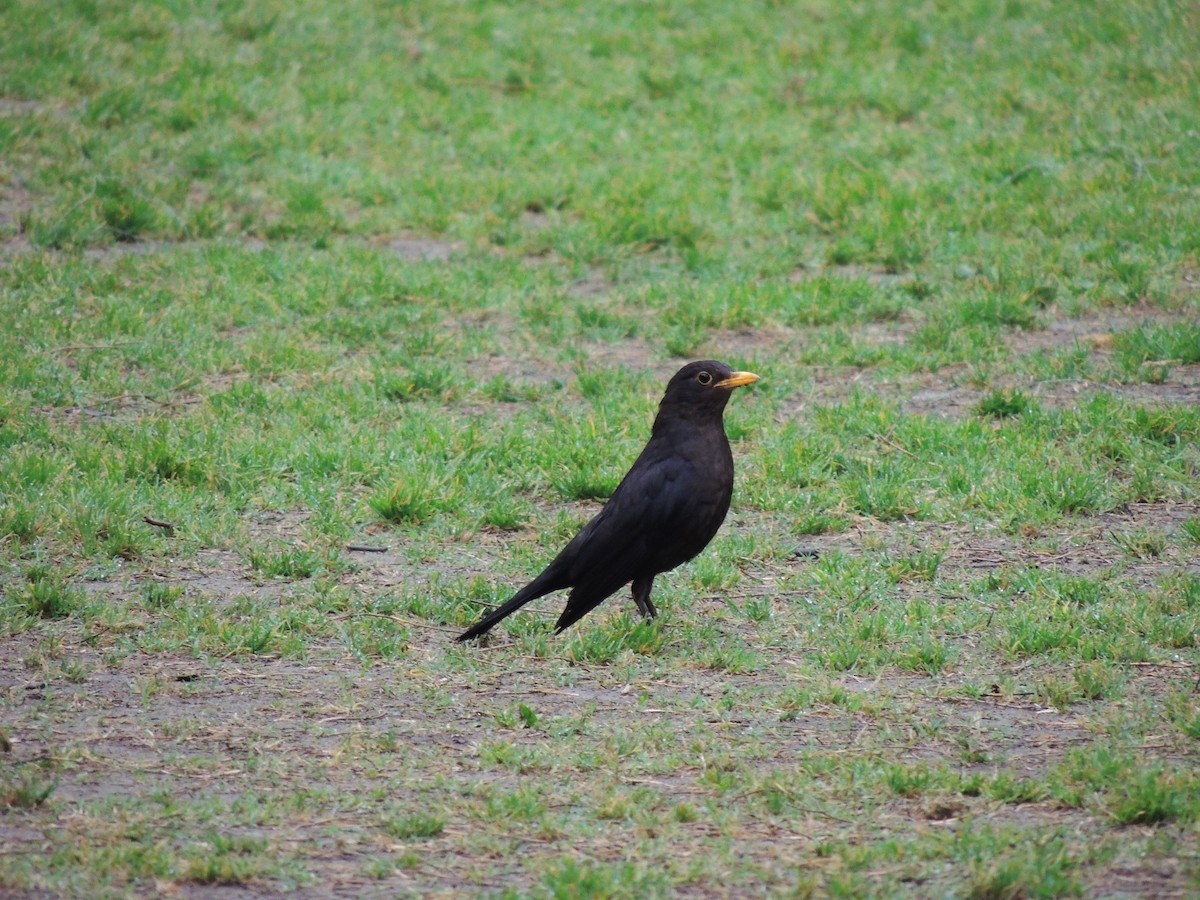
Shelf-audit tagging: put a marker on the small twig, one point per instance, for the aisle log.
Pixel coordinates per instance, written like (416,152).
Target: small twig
(365,548)
(485,603)
(99,633)
(159,523)
(887,440)
(499,86)
(1180,664)
(329,720)
(399,621)
(207,776)
(677,789)
(843,607)
(71,348)
(177,401)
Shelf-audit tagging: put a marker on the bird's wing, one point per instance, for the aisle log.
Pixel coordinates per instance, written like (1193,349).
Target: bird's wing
(639,522)
(635,534)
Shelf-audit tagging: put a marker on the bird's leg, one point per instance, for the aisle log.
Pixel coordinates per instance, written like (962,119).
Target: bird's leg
(641,596)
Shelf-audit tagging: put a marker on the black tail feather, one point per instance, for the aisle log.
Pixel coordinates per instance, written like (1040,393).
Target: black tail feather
(583,599)
(539,587)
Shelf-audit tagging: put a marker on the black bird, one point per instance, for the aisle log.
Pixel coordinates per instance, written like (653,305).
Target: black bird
(665,510)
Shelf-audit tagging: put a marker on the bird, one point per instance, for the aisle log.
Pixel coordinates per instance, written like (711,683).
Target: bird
(665,510)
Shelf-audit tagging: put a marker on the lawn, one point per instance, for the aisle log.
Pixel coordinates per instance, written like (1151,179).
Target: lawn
(328,324)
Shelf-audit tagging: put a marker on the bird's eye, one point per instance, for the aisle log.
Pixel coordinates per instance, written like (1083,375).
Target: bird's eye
(704,378)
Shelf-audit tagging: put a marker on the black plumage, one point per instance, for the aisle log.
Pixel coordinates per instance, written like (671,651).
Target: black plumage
(665,510)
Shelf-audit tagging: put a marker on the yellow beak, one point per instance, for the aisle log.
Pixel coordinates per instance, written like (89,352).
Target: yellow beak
(737,379)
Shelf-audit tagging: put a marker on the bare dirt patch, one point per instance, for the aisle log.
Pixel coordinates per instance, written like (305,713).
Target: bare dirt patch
(15,202)
(423,249)
(857,272)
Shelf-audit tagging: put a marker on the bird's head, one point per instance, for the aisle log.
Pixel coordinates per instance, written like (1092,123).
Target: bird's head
(703,386)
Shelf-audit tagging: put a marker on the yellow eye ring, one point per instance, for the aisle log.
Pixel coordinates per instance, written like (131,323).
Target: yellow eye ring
(704,378)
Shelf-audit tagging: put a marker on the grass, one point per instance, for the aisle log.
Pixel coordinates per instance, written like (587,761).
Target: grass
(328,327)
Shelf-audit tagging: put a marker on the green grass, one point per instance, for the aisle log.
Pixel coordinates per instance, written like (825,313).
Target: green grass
(286,282)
